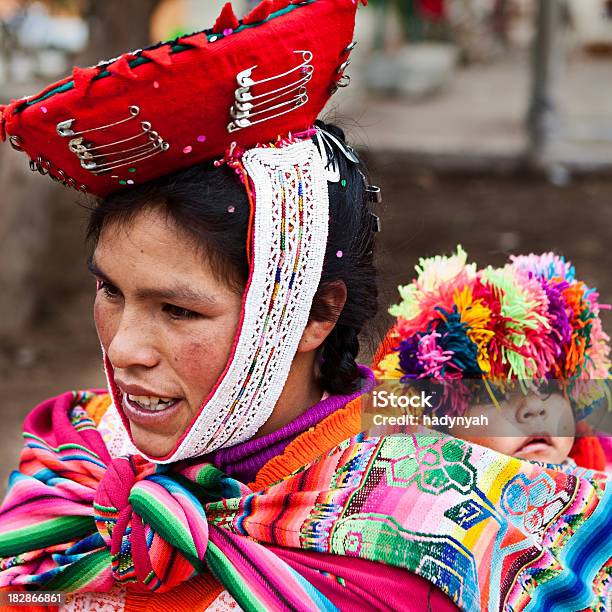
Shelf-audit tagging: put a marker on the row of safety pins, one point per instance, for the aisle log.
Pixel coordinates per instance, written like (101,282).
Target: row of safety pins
(251,109)
(100,159)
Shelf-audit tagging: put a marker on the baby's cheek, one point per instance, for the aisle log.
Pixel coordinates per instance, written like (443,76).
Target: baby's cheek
(500,444)
(564,445)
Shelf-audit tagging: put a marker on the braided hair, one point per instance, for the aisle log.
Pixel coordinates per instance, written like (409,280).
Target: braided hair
(349,258)
(198,200)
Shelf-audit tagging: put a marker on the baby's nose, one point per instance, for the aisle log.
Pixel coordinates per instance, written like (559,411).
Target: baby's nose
(531,410)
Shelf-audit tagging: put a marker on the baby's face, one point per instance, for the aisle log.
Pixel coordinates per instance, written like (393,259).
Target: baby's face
(532,426)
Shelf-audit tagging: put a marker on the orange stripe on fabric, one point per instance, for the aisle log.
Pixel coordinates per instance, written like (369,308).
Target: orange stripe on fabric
(97,406)
(332,430)
(195,594)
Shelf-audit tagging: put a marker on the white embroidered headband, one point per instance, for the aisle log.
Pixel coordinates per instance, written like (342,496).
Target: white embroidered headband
(289,238)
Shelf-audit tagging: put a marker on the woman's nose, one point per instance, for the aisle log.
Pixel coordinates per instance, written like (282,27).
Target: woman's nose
(530,410)
(132,345)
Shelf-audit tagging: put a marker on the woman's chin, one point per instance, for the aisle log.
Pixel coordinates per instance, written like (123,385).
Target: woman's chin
(152,444)
(156,432)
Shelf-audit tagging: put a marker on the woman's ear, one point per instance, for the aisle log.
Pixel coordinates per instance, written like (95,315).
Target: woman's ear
(333,295)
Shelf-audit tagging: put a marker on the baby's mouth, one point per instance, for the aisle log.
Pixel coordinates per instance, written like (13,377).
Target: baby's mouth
(535,444)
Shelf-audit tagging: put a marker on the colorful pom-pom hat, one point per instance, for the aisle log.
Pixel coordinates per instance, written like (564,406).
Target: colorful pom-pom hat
(527,323)
(245,92)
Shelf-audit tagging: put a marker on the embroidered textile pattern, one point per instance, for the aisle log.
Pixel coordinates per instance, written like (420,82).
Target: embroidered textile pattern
(114,434)
(450,512)
(491,531)
(289,239)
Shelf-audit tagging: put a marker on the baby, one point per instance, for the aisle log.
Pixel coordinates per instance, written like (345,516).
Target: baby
(529,328)
(533,426)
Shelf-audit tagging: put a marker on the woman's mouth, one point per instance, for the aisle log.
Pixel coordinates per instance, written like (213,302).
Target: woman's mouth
(149,402)
(150,410)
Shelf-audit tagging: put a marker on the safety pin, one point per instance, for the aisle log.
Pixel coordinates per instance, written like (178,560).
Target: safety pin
(91,165)
(248,107)
(344,81)
(244,77)
(103,168)
(64,128)
(88,151)
(88,155)
(16,143)
(240,114)
(243,94)
(343,66)
(245,122)
(79,146)
(146,128)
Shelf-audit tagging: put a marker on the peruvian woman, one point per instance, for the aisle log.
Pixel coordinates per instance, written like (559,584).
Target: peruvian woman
(232,246)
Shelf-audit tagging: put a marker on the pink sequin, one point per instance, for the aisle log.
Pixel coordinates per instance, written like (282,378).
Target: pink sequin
(202,138)
(339,254)
(43,109)
(188,149)
(231,209)
(156,84)
(228,31)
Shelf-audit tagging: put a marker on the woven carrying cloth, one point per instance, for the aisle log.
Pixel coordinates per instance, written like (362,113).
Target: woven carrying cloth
(491,531)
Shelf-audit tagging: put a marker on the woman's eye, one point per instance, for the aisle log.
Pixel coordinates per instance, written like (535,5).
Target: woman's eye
(110,291)
(176,312)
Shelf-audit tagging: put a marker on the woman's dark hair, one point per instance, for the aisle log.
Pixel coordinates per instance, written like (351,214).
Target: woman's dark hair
(199,199)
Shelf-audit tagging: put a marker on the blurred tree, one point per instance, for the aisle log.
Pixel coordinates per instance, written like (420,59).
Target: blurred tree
(117,26)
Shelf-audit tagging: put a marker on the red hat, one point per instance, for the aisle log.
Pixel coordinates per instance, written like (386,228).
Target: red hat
(154,111)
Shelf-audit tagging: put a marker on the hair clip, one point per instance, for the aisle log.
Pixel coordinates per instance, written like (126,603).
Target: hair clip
(324,141)
(332,168)
(348,151)
(251,109)
(374,194)
(376,224)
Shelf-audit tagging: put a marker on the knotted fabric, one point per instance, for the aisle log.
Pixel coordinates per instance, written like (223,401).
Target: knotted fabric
(490,531)
(146,518)
(77,520)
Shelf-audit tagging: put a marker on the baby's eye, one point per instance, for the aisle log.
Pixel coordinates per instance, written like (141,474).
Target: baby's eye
(178,313)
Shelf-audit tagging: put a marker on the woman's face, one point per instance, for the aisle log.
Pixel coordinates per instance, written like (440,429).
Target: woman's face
(166,323)
(532,426)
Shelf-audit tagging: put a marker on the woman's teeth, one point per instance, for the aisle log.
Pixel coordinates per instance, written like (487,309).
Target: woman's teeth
(149,402)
